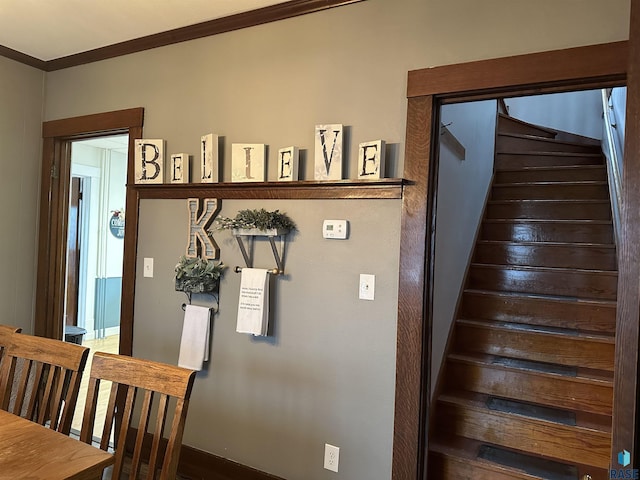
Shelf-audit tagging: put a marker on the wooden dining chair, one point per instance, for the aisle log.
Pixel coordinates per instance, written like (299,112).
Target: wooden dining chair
(40,378)
(147,387)
(6,331)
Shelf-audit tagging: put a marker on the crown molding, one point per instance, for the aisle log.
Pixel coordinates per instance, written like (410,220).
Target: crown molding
(282,11)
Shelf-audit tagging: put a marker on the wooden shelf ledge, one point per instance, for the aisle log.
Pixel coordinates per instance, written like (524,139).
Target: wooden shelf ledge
(386,188)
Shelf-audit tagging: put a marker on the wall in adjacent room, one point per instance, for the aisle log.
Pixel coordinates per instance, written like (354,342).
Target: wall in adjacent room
(463,186)
(21,104)
(573,112)
(327,375)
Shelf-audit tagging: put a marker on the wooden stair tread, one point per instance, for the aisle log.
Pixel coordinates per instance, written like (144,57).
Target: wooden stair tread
(466,450)
(497,266)
(549,153)
(539,330)
(549,244)
(551,141)
(463,453)
(542,201)
(467,453)
(582,375)
(599,425)
(553,168)
(568,221)
(554,298)
(546,139)
(551,183)
(509,118)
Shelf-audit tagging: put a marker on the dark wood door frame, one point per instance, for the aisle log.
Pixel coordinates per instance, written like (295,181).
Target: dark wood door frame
(561,70)
(54,200)
(73,251)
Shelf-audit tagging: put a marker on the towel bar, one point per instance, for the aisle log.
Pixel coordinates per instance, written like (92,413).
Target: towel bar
(271,271)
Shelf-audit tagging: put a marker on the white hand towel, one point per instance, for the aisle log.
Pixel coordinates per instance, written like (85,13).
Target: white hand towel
(253,304)
(194,346)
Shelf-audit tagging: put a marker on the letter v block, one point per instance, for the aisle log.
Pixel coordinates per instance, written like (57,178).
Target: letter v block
(201,243)
(328,152)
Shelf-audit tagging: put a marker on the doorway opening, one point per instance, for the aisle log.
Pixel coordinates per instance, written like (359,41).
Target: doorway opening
(95,248)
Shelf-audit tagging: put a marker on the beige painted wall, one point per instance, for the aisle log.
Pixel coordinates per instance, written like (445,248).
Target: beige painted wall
(21,103)
(328,373)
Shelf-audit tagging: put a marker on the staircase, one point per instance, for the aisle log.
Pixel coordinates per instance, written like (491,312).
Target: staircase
(526,390)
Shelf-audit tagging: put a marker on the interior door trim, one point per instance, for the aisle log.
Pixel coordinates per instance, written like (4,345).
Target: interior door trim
(560,70)
(54,192)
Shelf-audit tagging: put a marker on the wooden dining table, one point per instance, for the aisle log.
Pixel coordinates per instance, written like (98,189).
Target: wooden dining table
(30,451)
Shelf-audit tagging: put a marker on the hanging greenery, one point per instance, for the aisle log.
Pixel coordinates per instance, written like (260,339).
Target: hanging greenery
(259,219)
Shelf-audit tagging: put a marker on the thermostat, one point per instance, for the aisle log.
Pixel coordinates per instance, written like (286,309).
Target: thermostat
(336,229)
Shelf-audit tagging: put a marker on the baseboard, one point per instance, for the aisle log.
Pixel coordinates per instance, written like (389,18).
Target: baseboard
(198,465)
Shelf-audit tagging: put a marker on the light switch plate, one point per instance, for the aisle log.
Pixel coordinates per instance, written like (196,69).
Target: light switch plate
(148,267)
(367,288)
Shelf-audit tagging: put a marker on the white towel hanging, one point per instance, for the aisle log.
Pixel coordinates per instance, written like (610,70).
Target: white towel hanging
(253,302)
(194,346)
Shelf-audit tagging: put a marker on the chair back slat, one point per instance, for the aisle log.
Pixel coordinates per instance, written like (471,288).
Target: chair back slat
(43,374)
(172,454)
(155,457)
(149,386)
(143,424)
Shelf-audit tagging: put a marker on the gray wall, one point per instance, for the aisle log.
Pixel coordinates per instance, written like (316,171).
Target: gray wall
(463,187)
(21,100)
(328,373)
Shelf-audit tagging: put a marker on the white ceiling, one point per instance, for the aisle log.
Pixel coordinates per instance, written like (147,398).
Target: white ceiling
(119,143)
(50,29)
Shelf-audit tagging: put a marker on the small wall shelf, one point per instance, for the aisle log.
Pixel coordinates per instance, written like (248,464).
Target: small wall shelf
(384,188)
(271,235)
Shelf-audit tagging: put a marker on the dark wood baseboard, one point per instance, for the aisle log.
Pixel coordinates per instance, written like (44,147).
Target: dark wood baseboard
(198,465)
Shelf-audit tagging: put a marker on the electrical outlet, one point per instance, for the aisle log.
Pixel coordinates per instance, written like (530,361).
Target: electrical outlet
(331,457)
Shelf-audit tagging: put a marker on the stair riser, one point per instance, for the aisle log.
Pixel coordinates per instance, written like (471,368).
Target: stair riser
(527,345)
(562,256)
(576,283)
(550,192)
(561,442)
(540,311)
(509,144)
(553,390)
(547,232)
(549,210)
(508,125)
(508,161)
(585,174)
